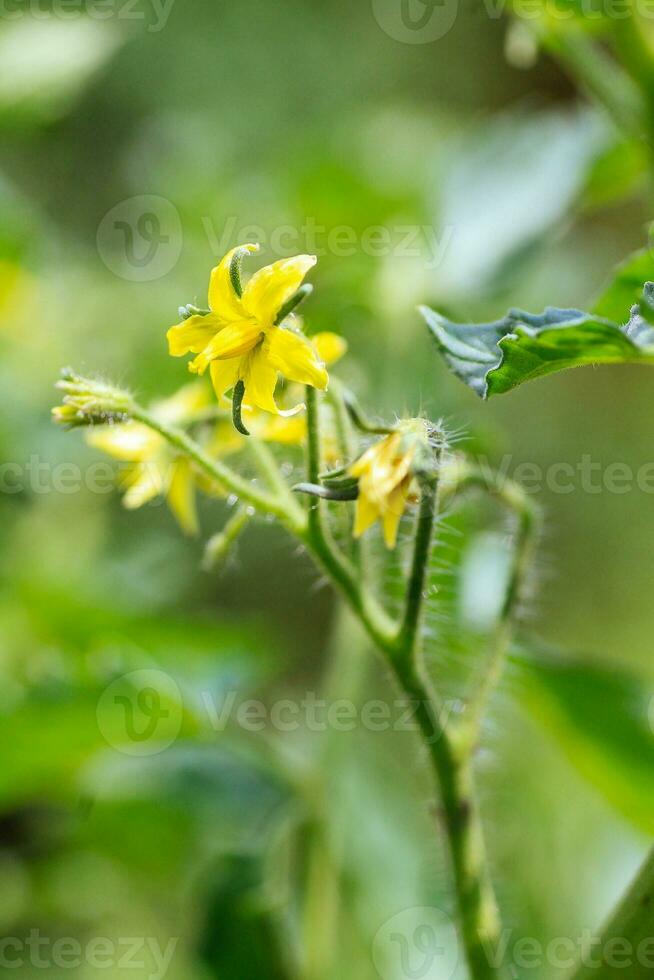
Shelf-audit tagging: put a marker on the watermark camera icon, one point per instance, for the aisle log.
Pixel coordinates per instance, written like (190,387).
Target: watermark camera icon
(415,21)
(141,713)
(418,943)
(141,238)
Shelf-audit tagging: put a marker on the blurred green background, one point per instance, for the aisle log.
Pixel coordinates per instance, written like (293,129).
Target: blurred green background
(284,853)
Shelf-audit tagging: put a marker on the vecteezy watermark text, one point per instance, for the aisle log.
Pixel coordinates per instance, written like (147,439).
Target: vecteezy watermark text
(143,953)
(560,478)
(421,943)
(427,21)
(153,13)
(343,241)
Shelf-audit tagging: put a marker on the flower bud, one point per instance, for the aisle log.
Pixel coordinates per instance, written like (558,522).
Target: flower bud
(88,401)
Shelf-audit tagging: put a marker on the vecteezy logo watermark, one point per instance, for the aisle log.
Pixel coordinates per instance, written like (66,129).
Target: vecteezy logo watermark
(154,13)
(141,712)
(415,21)
(141,238)
(416,944)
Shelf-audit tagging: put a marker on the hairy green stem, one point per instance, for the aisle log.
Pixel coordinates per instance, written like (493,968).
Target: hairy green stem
(378,624)
(219,472)
(220,544)
(268,467)
(408,634)
(452,767)
(514,498)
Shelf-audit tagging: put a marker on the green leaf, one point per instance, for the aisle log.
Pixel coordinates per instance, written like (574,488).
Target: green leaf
(601,719)
(630,923)
(493,358)
(626,286)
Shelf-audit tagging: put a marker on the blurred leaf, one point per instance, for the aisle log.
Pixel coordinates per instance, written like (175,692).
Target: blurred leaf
(493,358)
(51,701)
(240,938)
(507,184)
(602,719)
(630,924)
(617,174)
(45,64)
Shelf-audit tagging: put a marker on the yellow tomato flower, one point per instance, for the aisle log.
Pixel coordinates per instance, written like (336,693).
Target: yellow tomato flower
(242,338)
(155,469)
(385,478)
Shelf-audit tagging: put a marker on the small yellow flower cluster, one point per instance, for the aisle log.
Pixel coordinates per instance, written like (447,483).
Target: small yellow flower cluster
(248,338)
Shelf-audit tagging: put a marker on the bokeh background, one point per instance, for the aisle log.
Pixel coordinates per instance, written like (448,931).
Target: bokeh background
(136,147)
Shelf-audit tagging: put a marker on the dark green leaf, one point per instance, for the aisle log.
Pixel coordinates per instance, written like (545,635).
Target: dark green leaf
(493,358)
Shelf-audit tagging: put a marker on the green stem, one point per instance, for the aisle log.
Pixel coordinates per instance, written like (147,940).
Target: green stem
(268,467)
(515,499)
(452,768)
(461,821)
(347,447)
(378,624)
(408,634)
(219,472)
(218,546)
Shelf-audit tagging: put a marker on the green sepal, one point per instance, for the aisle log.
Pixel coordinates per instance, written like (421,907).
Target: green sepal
(235,267)
(305,290)
(360,420)
(185,312)
(237,401)
(350,492)
(338,479)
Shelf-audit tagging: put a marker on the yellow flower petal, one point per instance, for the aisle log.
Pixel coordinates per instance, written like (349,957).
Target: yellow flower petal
(223,298)
(224,375)
(130,442)
(281,429)
(181,496)
(294,357)
(330,346)
(192,335)
(144,482)
(367,513)
(185,403)
(234,340)
(395,507)
(272,286)
(260,379)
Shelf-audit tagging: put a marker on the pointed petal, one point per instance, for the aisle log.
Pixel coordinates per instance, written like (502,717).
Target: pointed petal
(223,297)
(330,346)
(395,507)
(192,335)
(233,340)
(364,462)
(272,286)
(224,375)
(131,442)
(260,379)
(181,496)
(295,357)
(367,513)
(144,482)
